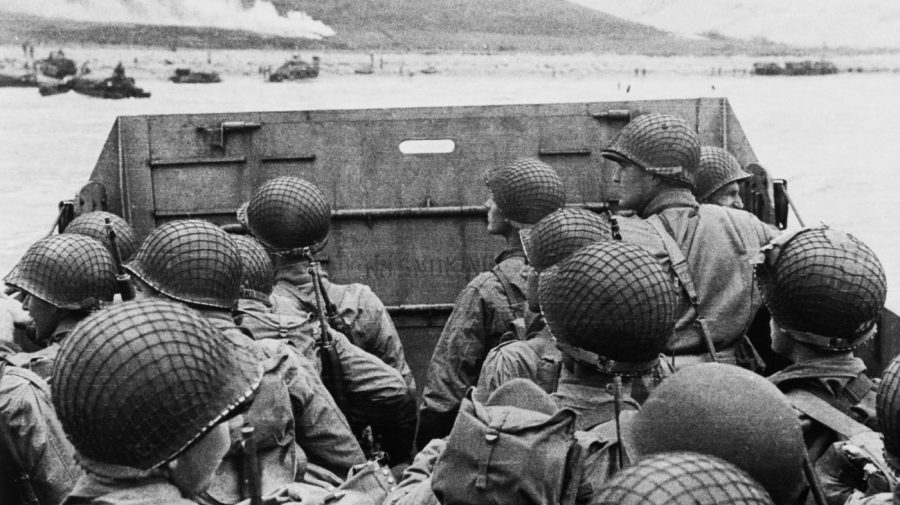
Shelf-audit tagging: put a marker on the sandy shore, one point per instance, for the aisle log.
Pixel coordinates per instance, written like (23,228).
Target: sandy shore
(159,63)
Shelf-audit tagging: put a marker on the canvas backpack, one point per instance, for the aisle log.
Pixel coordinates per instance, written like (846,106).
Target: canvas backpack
(507,455)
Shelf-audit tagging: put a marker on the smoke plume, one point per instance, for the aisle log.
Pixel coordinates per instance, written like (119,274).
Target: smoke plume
(259,16)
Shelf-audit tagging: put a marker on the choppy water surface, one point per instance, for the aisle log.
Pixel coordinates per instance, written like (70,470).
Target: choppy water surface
(835,138)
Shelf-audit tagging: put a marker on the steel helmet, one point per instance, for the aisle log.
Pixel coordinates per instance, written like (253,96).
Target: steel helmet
(93,224)
(613,299)
(887,409)
(731,413)
(561,233)
(526,190)
(289,213)
(259,273)
(681,478)
(661,144)
(68,271)
(825,287)
(191,261)
(717,169)
(136,383)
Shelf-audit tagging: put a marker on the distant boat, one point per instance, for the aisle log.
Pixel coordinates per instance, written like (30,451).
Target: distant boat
(805,67)
(115,87)
(430,69)
(56,65)
(186,76)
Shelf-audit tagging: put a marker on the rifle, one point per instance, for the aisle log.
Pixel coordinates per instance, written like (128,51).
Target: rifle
(126,289)
(252,473)
(332,375)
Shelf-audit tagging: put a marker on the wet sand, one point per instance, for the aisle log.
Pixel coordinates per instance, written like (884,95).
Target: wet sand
(159,63)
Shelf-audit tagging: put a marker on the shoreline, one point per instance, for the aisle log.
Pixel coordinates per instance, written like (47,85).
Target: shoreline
(154,63)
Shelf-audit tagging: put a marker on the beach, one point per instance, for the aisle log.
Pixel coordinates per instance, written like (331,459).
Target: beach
(159,63)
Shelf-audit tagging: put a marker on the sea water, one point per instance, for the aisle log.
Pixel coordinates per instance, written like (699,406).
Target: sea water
(834,138)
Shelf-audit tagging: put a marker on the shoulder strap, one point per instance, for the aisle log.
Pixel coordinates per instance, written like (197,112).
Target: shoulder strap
(515,307)
(823,412)
(682,271)
(858,388)
(607,430)
(676,256)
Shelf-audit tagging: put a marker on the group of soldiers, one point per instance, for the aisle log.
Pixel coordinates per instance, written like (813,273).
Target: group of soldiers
(603,360)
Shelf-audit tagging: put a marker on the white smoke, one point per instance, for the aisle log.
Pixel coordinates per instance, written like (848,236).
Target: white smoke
(230,14)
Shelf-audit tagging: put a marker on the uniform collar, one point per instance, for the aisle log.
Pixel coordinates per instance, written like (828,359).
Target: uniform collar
(515,252)
(844,365)
(672,197)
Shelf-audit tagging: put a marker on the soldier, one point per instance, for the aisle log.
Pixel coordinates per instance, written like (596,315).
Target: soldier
(93,224)
(537,358)
(851,473)
(145,390)
(825,290)
(377,393)
(682,477)
(730,413)
(718,178)
(198,264)
(292,219)
(37,462)
(522,193)
(64,277)
(709,246)
(286,210)
(612,308)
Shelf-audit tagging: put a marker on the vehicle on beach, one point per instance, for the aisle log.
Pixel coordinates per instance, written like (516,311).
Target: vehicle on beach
(188,76)
(296,69)
(28,80)
(405,186)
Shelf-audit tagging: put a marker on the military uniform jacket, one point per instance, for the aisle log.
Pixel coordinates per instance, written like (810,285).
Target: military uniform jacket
(369,326)
(841,381)
(483,312)
(377,394)
(588,393)
(118,485)
(319,427)
(32,439)
(536,359)
(719,244)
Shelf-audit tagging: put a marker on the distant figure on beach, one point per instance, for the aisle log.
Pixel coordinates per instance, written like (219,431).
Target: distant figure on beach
(628,89)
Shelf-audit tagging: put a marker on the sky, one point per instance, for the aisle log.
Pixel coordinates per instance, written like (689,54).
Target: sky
(860,24)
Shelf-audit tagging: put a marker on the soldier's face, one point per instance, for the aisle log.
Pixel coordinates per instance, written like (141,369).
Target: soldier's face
(46,317)
(636,186)
(497,224)
(728,195)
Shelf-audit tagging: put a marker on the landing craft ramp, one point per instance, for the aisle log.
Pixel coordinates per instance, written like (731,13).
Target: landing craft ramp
(405,185)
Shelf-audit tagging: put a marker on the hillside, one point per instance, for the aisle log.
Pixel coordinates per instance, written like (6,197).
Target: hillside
(406,25)
(860,24)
